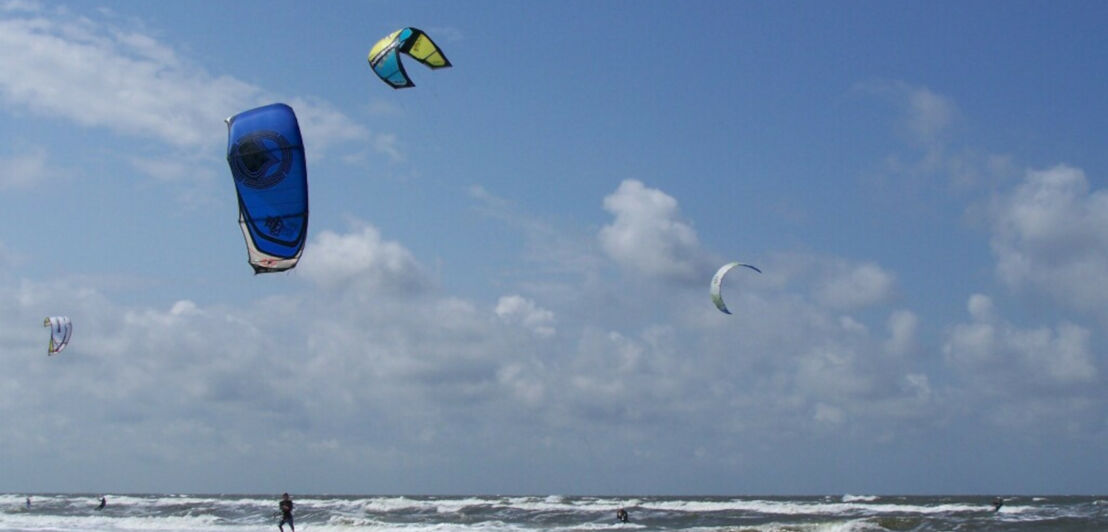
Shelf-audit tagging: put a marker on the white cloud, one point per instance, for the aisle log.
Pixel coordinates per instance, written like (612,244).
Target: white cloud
(847,286)
(647,235)
(991,350)
(183,307)
(981,308)
(832,371)
(848,323)
(1066,355)
(322,126)
(128,82)
(1050,235)
(516,309)
(95,78)
(361,261)
(902,332)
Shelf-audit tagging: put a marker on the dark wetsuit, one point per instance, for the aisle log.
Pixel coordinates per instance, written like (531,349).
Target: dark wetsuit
(286,515)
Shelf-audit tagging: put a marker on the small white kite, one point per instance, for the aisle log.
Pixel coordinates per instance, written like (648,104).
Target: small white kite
(61,328)
(717,283)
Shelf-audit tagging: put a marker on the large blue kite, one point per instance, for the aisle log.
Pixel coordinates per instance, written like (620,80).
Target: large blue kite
(266,155)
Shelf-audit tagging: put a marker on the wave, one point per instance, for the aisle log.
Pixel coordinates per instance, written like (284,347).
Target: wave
(860,498)
(517,513)
(794,507)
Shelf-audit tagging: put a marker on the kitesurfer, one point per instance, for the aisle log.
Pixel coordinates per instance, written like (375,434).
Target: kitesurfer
(997,503)
(286,513)
(622,516)
(103,503)
(28,503)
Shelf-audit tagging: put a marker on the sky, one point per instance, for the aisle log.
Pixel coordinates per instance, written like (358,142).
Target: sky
(505,284)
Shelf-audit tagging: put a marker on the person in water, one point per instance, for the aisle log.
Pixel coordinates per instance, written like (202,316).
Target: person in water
(103,503)
(997,503)
(28,503)
(621,514)
(286,513)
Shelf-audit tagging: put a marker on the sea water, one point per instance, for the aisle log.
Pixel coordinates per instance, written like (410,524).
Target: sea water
(77,512)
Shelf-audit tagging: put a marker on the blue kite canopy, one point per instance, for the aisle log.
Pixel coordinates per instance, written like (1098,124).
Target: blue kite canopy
(266,155)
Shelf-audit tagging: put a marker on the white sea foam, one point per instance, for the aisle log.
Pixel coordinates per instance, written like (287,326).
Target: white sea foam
(792,507)
(249,513)
(860,498)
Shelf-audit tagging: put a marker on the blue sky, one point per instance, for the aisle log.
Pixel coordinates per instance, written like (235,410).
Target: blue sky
(505,284)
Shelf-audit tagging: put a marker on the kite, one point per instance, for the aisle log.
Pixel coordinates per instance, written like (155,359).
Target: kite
(717,284)
(61,328)
(384,57)
(266,155)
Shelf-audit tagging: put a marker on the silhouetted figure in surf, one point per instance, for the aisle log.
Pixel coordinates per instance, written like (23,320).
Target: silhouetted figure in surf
(997,503)
(103,503)
(286,513)
(28,503)
(622,516)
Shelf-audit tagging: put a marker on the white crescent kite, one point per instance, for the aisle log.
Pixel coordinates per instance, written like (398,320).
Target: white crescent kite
(717,283)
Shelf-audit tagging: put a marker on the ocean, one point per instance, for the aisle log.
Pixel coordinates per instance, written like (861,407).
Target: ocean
(62,512)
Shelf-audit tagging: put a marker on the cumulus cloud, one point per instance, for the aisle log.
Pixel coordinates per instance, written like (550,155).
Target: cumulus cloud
(140,364)
(991,350)
(1050,235)
(516,309)
(361,261)
(647,234)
